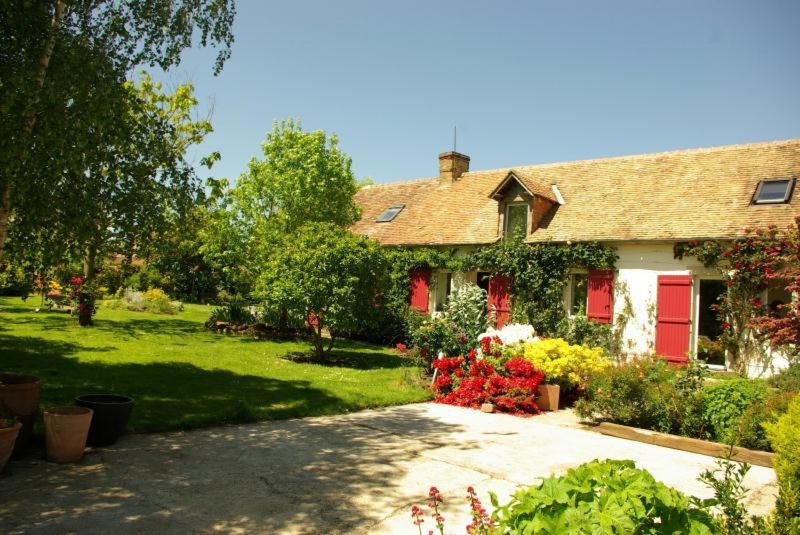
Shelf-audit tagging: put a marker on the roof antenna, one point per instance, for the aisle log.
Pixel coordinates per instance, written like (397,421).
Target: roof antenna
(454,138)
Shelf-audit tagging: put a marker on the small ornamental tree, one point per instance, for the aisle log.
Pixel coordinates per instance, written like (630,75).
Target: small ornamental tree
(324,277)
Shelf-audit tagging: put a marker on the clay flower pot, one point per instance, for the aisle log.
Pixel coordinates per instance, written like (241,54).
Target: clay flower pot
(65,432)
(548,397)
(9,430)
(487,407)
(111,414)
(19,398)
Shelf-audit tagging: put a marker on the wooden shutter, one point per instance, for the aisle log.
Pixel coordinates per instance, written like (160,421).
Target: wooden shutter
(419,285)
(673,322)
(499,300)
(600,302)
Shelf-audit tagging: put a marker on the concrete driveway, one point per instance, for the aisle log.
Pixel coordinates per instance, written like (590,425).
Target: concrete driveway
(354,473)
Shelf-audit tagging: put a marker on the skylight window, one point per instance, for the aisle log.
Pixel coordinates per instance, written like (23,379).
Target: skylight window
(774,191)
(391,213)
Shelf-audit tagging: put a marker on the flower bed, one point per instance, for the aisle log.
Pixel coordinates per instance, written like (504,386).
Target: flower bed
(472,380)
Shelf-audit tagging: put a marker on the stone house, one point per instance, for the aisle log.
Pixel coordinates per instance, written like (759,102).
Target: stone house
(641,205)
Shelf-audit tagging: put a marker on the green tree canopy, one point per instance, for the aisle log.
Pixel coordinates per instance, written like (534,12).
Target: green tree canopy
(323,272)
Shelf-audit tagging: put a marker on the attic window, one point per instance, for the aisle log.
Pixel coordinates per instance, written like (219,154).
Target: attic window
(390,213)
(774,191)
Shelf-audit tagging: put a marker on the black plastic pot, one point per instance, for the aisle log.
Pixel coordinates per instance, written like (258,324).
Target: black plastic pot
(111,414)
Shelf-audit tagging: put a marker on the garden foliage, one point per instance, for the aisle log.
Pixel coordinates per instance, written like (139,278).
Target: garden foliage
(602,497)
(466,309)
(153,300)
(784,435)
(568,366)
(726,401)
(471,380)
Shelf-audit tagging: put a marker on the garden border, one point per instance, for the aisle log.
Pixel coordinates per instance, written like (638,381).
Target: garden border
(694,445)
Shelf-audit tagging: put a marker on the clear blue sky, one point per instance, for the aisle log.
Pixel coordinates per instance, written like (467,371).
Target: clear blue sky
(524,81)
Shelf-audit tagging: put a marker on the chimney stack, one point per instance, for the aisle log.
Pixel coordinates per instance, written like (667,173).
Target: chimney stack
(452,165)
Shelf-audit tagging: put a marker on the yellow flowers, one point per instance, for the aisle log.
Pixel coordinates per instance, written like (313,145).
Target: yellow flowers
(55,286)
(565,364)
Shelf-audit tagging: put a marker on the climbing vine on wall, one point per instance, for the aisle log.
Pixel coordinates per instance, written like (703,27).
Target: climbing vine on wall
(539,273)
(749,265)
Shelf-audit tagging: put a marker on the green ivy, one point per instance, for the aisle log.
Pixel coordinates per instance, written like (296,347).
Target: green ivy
(539,273)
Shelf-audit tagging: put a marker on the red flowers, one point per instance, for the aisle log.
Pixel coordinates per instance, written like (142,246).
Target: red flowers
(77,281)
(471,382)
(401,347)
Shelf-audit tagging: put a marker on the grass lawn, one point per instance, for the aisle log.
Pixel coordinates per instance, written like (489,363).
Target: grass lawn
(183,376)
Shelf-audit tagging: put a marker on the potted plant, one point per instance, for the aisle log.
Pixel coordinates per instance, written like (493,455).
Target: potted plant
(548,397)
(19,398)
(65,432)
(9,430)
(83,300)
(111,414)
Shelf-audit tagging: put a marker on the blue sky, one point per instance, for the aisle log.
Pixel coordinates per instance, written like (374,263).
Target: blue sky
(524,81)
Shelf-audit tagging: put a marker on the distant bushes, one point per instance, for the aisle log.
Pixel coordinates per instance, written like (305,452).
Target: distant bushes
(154,300)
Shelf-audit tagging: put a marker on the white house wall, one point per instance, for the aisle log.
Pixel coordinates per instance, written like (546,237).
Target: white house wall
(636,287)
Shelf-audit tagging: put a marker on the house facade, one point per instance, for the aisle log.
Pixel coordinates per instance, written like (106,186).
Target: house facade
(641,205)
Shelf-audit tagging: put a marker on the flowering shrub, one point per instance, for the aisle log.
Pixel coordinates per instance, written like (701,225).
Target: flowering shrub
(432,336)
(511,334)
(473,380)
(563,364)
(466,310)
(153,300)
(481,523)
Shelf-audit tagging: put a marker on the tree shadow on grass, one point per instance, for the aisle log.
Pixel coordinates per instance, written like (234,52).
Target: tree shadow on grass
(169,395)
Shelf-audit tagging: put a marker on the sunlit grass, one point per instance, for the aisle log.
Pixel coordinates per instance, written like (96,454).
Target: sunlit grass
(183,376)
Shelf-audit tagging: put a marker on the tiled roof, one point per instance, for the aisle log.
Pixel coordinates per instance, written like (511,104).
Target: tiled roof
(696,193)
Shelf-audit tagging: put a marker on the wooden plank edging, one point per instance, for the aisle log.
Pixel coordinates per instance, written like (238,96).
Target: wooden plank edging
(694,445)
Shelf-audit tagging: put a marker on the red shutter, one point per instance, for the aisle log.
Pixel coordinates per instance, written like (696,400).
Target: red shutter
(673,322)
(420,281)
(600,305)
(498,299)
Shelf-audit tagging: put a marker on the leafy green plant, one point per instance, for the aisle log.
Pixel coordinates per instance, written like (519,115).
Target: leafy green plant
(466,309)
(579,330)
(727,483)
(158,301)
(235,313)
(431,336)
(784,435)
(645,392)
(787,379)
(726,401)
(602,497)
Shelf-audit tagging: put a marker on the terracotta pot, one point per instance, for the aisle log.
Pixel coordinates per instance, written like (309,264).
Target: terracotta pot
(487,407)
(111,414)
(8,436)
(65,432)
(19,397)
(548,397)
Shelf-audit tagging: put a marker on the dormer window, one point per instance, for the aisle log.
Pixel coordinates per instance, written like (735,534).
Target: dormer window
(774,191)
(517,219)
(390,213)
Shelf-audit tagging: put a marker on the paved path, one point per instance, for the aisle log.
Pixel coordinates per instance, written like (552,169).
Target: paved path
(354,473)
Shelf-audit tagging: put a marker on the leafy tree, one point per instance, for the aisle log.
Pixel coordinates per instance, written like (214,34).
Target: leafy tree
(62,69)
(304,177)
(324,276)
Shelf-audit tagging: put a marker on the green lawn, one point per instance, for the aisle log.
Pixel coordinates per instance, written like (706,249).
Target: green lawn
(183,376)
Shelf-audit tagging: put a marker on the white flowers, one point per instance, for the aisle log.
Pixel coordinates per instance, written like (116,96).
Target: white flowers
(514,333)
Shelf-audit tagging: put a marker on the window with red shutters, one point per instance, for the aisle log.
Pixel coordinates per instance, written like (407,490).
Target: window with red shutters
(600,301)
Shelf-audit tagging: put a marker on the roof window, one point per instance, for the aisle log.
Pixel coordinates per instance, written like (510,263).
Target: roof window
(774,191)
(390,213)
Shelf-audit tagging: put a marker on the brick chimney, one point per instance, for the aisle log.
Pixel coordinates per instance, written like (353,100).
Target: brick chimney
(452,165)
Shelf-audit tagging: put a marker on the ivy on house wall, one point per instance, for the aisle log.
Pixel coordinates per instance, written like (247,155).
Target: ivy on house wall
(539,274)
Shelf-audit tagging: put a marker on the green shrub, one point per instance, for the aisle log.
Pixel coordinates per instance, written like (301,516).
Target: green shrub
(750,427)
(580,330)
(434,335)
(784,435)
(603,497)
(787,380)
(236,312)
(158,302)
(648,393)
(726,402)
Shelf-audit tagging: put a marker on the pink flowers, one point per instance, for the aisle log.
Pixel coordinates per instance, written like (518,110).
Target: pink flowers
(481,524)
